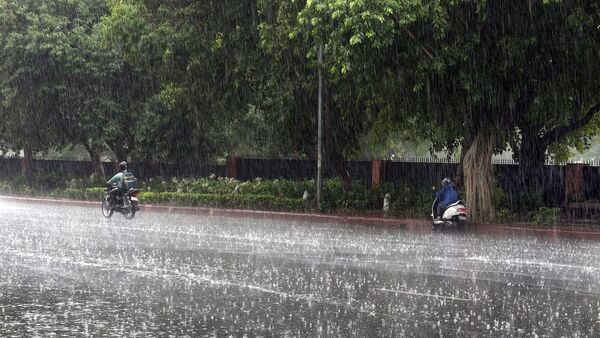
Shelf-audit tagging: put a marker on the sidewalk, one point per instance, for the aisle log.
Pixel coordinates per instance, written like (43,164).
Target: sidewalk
(421,225)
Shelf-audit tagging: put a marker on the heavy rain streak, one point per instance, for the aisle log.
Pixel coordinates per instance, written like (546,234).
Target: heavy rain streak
(65,272)
(300,168)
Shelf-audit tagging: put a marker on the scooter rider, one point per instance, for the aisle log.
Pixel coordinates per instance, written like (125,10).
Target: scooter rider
(446,196)
(117,185)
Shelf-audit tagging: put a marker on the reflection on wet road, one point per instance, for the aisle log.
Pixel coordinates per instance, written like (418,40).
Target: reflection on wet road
(68,271)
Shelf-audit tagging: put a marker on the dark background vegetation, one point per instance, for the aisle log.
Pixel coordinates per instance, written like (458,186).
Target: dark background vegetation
(186,84)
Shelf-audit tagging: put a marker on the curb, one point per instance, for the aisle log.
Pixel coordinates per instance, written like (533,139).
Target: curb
(306,217)
(403,223)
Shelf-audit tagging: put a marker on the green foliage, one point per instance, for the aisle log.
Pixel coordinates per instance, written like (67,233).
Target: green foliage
(284,195)
(513,72)
(6,188)
(557,102)
(89,194)
(545,216)
(405,200)
(259,202)
(229,193)
(276,194)
(291,33)
(530,199)
(500,201)
(203,63)
(94,194)
(197,80)
(282,188)
(505,216)
(75,194)
(412,201)
(40,182)
(47,181)
(334,196)
(85,182)
(60,87)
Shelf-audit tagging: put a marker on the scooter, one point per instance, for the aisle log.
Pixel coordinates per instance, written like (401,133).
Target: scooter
(454,216)
(127,204)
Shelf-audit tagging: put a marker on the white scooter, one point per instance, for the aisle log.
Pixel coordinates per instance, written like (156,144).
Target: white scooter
(455,215)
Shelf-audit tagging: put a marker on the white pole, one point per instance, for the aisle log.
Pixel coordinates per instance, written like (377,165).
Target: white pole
(320,131)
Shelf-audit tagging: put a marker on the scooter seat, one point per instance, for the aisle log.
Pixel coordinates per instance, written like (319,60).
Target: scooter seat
(455,204)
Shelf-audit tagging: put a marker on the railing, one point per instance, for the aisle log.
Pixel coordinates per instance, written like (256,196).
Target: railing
(503,161)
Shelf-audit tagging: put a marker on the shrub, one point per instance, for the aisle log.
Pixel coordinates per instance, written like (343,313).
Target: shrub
(156,184)
(500,199)
(76,194)
(278,194)
(94,194)
(46,181)
(6,188)
(85,182)
(266,202)
(545,216)
(505,216)
(531,199)
(412,201)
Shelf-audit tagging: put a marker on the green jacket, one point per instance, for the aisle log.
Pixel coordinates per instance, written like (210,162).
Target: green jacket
(123,180)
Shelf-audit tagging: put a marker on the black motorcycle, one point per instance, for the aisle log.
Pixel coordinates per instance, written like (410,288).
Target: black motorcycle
(127,204)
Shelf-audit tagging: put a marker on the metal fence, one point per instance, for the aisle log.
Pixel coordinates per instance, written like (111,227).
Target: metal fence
(406,171)
(251,168)
(10,167)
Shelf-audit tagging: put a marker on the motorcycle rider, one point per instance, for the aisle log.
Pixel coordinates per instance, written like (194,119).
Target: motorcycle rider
(447,195)
(121,182)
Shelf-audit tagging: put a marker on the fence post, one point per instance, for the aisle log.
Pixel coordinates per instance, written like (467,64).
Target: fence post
(574,182)
(376,173)
(231,166)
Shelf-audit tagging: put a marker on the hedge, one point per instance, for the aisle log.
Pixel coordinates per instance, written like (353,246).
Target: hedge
(264,202)
(229,193)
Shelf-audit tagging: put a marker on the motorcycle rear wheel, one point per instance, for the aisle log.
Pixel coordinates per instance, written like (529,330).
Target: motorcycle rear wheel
(129,212)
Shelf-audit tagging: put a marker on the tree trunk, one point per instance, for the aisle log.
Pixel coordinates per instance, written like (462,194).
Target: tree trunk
(332,154)
(26,164)
(532,157)
(95,160)
(119,151)
(478,176)
(459,177)
(532,153)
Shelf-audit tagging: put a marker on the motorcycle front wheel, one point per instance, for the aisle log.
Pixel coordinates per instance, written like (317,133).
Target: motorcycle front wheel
(107,211)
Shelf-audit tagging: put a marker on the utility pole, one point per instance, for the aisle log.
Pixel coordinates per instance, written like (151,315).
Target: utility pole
(320,131)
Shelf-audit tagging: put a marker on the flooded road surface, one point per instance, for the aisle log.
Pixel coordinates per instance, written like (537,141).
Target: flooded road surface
(68,271)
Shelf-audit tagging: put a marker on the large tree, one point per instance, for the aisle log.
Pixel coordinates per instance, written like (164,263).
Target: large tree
(467,72)
(57,83)
(29,48)
(291,89)
(203,57)
(559,84)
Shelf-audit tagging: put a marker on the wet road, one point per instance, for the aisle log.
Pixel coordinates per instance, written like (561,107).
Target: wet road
(68,271)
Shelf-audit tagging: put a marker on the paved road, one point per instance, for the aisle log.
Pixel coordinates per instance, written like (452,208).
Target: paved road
(68,271)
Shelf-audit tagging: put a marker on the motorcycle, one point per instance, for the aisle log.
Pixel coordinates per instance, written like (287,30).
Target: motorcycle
(127,204)
(454,216)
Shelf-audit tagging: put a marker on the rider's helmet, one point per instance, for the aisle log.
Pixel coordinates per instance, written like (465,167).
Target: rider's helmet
(123,166)
(446,182)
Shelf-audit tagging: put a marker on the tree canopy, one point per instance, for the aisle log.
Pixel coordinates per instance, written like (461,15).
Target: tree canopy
(203,58)
(194,81)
